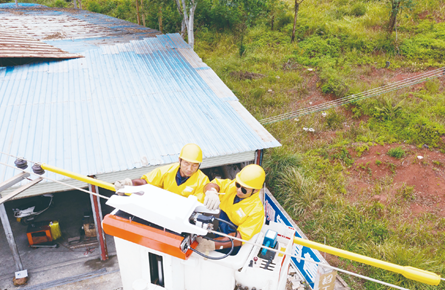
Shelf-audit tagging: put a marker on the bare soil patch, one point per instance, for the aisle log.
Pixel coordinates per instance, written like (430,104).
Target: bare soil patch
(418,179)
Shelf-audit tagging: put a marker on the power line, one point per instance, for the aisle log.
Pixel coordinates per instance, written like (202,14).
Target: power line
(358,97)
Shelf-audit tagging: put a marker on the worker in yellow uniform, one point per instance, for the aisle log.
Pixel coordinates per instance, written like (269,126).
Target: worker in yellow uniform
(183,178)
(241,207)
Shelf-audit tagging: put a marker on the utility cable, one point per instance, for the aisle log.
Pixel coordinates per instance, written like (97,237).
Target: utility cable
(358,97)
(60,182)
(312,261)
(373,92)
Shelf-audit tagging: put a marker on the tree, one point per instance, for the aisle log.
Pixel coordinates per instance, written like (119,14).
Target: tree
(396,7)
(187,10)
(297,7)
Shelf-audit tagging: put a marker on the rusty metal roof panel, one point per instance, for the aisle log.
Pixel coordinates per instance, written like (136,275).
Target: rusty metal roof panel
(64,26)
(19,46)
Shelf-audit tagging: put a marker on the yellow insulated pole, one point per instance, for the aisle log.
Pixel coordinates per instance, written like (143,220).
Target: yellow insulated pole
(412,273)
(79,177)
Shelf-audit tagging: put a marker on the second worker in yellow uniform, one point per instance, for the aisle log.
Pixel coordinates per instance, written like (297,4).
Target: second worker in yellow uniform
(183,178)
(240,206)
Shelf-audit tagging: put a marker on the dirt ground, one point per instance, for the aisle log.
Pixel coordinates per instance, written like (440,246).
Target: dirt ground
(418,178)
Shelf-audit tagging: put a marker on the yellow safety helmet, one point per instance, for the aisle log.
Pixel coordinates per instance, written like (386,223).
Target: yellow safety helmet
(191,153)
(251,176)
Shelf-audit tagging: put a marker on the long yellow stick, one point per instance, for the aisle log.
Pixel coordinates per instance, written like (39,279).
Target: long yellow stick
(79,177)
(412,273)
(409,272)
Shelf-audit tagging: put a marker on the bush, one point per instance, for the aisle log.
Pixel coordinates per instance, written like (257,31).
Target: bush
(359,9)
(93,6)
(283,19)
(429,45)
(432,86)
(316,49)
(397,152)
(334,120)
(333,83)
(60,4)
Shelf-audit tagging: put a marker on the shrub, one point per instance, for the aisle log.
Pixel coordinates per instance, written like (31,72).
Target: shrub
(333,83)
(344,156)
(432,86)
(283,19)
(334,120)
(359,9)
(407,192)
(361,148)
(397,152)
(60,3)
(93,6)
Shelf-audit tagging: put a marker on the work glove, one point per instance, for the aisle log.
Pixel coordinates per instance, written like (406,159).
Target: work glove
(205,246)
(211,200)
(121,183)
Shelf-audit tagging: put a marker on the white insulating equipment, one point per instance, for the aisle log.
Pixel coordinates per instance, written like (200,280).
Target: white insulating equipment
(154,266)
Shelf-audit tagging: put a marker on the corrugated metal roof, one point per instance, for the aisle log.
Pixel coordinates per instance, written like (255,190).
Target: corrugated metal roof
(13,45)
(83,27)
(121,107)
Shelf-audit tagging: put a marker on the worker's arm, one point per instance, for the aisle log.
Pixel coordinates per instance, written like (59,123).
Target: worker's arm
(224,242)
(139,181)
(209,186)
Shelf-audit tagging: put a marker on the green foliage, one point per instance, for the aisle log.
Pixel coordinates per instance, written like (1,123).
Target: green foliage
(257,93)
(333,83)
(396,152)
(334,120)
(388,111)
(343,155)
(360,148)
(432,86)
(284,18)
(315,49)
(378,162)
(406,192)
(428,44)
(277,161)
(60,4)
(358,9)
(298,192)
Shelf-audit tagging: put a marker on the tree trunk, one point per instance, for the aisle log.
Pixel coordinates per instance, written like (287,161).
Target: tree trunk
(190,33)
(143,14)
(393,17)
(137,12)
(297,7)
(183,28)
(271,25)
(160,18)
(183,22)
(75,4)
(185,18)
